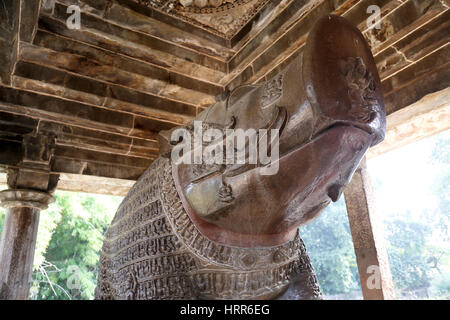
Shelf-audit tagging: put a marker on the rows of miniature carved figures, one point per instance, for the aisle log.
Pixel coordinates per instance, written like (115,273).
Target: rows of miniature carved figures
(204,3)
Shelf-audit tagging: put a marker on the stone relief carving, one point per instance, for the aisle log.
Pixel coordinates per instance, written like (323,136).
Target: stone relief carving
(218,5)
(273,90)
(223,22)
(361,88)
(222,17)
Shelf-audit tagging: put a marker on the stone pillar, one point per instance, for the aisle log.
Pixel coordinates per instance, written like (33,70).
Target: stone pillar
(19,240)
(371,254)
(30,187)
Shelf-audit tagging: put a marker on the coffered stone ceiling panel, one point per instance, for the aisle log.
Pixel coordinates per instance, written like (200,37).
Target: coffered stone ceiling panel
(225,18)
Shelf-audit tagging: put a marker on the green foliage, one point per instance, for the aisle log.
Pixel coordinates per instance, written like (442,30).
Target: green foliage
(407,253)
(440,286)
(2,219)
(329,243)
(415,215)
(69,270)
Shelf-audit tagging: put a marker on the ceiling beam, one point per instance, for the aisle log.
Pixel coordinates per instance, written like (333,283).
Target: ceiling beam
(426,117)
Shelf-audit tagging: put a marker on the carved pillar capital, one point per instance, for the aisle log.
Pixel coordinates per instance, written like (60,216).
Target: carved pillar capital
(25,198)
(33,172)
(31,184)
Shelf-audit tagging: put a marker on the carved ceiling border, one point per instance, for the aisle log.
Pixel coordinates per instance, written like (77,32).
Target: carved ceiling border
(221,19)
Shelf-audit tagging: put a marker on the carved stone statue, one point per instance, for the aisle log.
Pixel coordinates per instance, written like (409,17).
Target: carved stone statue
(229,230)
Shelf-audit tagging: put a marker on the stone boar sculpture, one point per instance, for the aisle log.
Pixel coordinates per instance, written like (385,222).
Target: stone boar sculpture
(229,230)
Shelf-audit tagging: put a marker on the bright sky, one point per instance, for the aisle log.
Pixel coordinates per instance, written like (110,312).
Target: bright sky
(407,176)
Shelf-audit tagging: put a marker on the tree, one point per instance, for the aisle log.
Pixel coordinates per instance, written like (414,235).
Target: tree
(329,243)
(407,253)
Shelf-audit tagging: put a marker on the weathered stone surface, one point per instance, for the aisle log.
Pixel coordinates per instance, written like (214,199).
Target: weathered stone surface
(11,152)
(152,66)
(92,22)
(223,20)
(97,169)
(371,255)
(9,38)
(18,22)
(70,109)
(132,20)
(176,262)
(101,157)
(30,186)
(17,252)
(25,198)
(13,125)
(414,42)
(30,10)
(92,184)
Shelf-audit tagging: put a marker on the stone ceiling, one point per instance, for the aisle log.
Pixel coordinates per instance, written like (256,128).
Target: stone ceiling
(140,66)
(224,20)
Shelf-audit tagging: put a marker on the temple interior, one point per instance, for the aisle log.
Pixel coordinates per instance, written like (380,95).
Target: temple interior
(86,86)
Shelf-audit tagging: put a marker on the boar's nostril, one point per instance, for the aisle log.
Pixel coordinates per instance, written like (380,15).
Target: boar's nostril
(334,192)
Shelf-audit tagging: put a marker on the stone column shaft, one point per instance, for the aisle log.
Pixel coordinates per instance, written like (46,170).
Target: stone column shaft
(371,255)
(17,252)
